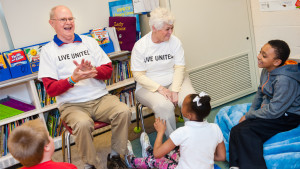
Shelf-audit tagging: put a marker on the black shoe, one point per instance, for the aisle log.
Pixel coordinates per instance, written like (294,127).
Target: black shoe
(115,162)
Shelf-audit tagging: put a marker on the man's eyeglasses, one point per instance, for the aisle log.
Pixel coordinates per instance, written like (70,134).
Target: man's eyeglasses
(64,20)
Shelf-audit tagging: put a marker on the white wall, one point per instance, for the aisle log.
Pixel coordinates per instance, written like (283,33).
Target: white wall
(5,44)
(284,25)
(27,21)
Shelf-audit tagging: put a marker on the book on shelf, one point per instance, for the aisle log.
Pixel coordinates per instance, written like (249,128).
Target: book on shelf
(10,107)
(124,8)
(17,63)
(44,98)
(33,55)
(4,70)
(15,57)
(126,31)
(2,63)
(16,104)
(126,94)
(53,123)
(7,112)
(102,37)
(121,71)
(1,140)
(50,122)
(114,38)
(5,140)
(33,52)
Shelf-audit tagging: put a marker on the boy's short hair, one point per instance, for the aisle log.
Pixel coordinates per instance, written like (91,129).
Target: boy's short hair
(282,50)
(26,143)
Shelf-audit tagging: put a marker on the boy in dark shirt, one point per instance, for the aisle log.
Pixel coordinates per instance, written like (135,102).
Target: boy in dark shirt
(275,108)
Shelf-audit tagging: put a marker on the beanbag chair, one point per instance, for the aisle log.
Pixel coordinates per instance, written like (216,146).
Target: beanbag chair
(280,151)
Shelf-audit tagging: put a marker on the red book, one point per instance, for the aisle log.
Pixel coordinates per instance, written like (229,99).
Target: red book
(126,31)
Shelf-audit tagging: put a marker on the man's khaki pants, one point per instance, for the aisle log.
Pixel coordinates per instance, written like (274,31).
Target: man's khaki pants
(81,116)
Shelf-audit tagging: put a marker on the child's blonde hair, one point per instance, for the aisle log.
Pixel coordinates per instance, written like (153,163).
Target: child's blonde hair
(26,143)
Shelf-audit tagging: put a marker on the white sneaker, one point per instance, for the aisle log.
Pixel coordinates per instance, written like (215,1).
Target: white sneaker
(129,154)
(145,144)
(234,168)
(129,148)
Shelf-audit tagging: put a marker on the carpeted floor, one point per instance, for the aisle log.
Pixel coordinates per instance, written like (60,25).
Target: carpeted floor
(102,141)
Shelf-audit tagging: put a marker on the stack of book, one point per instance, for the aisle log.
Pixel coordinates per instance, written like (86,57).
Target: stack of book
(44,98)
(121,71)
(10,107)
(53,122)
(126,95)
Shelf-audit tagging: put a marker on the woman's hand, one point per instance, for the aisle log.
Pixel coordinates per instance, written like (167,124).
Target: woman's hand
(160,125)
(165,92)
(174,98)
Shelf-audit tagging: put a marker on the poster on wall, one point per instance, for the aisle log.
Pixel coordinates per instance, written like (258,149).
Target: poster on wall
(277,5)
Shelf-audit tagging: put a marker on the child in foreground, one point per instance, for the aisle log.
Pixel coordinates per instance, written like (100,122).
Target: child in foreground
(32,146)
(200,143)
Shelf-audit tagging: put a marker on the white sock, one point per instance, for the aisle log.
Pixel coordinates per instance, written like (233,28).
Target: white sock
(113,153)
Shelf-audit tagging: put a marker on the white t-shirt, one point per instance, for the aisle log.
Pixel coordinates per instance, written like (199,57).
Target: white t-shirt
(198,142)
(157,59)
(56,62)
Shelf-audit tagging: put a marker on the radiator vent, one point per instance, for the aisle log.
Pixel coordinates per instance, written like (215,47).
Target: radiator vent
(225,80)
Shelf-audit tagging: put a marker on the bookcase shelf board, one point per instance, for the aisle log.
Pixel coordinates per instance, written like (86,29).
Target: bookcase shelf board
(120,84)
(18,80)
(115,55)
(19,117)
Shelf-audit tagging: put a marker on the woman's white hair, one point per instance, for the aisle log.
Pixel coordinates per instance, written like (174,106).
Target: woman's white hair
(160,17)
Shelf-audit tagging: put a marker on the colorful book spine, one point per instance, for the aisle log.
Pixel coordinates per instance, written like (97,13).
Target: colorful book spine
(44,98)
(121,71)
(54,124)
(126,95)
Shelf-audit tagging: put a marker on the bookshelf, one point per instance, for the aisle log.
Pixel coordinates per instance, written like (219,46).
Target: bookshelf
(28,83)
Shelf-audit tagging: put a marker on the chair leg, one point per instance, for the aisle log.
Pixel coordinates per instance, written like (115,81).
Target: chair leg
(63,145)
(141,117)
(137,129)
(68,147)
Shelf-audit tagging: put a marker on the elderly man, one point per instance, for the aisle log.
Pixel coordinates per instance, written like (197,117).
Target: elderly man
(72,68)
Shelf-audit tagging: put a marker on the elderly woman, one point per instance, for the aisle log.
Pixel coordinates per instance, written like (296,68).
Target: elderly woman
(158,66)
